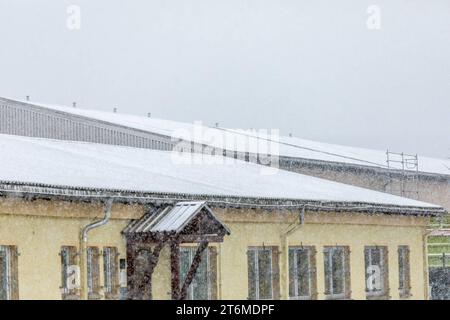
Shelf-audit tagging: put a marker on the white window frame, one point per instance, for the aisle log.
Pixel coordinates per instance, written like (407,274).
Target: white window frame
(7,252)
(257,250)
(299,297)
(329,252)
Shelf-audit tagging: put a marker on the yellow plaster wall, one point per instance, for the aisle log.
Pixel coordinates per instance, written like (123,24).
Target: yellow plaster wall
(234,259)
(39,229)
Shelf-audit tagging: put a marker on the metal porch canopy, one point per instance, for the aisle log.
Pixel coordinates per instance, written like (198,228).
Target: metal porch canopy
(185,222)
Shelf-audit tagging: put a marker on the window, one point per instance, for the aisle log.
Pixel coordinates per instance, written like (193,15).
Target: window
(111,274)
(93,273)
(69,265)
(403,271)
(8,273)
(204,284)
(263,273)
(376,271)
(337,272)
(302,273)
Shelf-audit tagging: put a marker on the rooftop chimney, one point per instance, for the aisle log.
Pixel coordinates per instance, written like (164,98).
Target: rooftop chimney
(149,115)
(115,110)
(74,104)
(290,135)
(217,124)
(28,98)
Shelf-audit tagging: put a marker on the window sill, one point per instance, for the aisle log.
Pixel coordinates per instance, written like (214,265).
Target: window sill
(301,298)
(70,297)
(336,297)
(378,297)
(94,296)
(112,296)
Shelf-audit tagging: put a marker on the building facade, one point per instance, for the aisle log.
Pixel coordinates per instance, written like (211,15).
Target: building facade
(326,257)
(81,220)
(433,186)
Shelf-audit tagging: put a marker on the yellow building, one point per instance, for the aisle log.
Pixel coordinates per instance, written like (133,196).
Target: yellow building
(277,235)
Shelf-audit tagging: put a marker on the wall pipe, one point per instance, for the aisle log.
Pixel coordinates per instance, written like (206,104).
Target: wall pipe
(284,275)
(83,247)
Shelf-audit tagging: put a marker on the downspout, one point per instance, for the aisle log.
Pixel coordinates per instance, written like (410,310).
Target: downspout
(285,255)
(83,247)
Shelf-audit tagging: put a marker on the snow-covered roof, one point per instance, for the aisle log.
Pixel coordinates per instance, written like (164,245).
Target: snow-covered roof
(173,219)
(109,167)
(238,140)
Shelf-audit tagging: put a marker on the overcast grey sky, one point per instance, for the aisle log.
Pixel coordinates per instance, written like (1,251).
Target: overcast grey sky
(309,67)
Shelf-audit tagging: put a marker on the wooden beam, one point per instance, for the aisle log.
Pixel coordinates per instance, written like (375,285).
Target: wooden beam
(192,238)
(175,268)
(193,270)
(131,256)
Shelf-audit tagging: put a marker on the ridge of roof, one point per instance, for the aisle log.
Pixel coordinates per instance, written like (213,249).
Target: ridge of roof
(290,147)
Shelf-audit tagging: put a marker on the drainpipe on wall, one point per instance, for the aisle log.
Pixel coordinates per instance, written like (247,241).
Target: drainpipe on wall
(83,247)
(285,255)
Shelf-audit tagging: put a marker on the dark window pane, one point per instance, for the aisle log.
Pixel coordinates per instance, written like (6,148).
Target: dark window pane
(185,264)
(265,274)
(107,269)
(327,265)
(292,273)
(3,276)
(338,271)
(376,256)
(89,270)
(403,268)
(199,287)
(251,274)
(303,272)
(200,283)
(64,265)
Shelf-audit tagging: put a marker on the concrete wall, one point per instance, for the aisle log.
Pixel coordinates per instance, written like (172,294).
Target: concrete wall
(431,188)
(39,228)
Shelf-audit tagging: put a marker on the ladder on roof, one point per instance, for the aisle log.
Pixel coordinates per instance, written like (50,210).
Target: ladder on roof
(404,181)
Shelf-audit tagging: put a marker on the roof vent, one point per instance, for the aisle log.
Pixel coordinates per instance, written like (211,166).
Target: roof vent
(115,110)
(290,135)
(74,104)
(28,98)
(149,115)
(217,124)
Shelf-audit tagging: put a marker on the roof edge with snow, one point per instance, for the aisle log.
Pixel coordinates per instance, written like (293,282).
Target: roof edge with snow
(45,191)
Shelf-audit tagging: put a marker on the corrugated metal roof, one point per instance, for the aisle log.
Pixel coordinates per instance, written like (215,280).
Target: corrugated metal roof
(291,147)
(170,219)
(176,219)
(105,167)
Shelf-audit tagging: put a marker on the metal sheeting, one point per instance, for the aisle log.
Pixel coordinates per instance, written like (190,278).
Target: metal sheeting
(167,219)
(178,216)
